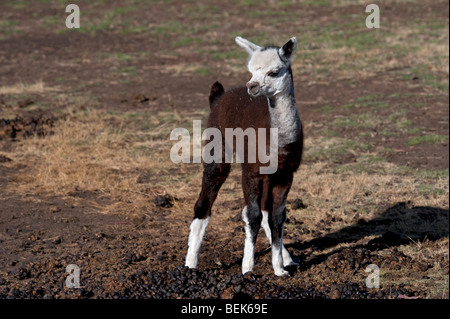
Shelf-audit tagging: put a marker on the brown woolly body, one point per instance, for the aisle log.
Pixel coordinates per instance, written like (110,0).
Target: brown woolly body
(237,109)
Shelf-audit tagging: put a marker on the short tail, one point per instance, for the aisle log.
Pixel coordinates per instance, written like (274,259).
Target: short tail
(216,93)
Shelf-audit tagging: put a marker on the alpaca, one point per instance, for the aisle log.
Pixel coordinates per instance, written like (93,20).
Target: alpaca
(267,101)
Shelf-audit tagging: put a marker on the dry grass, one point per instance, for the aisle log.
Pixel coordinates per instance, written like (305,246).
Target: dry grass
(103,152)
(363,193)
(422,47)
(21,88)
(95,151)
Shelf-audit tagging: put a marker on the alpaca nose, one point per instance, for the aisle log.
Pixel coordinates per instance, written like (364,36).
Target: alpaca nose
(253,87)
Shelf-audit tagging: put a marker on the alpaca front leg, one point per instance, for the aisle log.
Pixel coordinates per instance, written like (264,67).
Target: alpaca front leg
(197,231)
(252,219)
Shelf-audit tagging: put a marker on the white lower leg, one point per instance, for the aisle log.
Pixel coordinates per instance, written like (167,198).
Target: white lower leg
(277,259)
(248,260)
(287,259)
(198,227)
(265,225)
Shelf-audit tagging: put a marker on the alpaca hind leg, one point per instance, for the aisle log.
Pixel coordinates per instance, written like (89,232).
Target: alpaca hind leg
(287,259)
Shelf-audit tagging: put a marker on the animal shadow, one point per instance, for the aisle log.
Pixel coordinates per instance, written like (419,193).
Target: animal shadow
(398,225)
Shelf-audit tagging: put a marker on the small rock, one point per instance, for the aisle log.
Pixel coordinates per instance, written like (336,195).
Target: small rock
(4,159)
(55,209)
(164,200)
(25,103)
(298,204)
(228,293)
(100,235)
(140,98)
(335,294)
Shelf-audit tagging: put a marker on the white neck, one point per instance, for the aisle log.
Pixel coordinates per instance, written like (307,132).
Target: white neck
(284,116)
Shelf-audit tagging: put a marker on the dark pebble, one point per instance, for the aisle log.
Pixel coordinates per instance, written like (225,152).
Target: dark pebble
(164,200)
(298,204)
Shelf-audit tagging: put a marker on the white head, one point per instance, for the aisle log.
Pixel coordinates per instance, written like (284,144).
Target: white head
(270,67)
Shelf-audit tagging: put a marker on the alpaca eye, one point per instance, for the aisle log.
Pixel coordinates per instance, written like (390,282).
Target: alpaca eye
(274,74)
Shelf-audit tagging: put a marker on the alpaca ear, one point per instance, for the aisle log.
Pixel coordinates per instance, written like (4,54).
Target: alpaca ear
(288,50)
(247,45)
